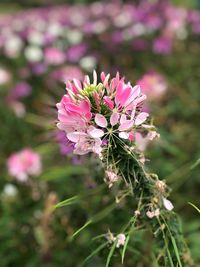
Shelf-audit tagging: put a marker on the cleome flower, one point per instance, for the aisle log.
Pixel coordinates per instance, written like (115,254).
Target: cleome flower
(23,164)
(90,112)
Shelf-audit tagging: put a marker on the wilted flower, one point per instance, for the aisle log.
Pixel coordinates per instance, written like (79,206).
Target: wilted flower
(23,164)
(111,177)
(152,214)
(121,238)
(161,186)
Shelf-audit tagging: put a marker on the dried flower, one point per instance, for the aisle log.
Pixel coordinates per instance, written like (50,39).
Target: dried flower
(152,214)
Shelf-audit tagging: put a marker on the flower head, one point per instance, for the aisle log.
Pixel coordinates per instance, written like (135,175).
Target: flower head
(23,164)
(90,112)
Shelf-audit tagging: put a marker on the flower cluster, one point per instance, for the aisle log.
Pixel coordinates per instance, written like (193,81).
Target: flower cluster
(23,164)
(91,113)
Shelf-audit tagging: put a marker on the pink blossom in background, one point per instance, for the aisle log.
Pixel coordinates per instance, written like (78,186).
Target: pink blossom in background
(140,44)
(75,53)
(23,164)
(18,108)
(162,45)
(54,56)
(21,90)
(67,73)
(154,85)
(5,76)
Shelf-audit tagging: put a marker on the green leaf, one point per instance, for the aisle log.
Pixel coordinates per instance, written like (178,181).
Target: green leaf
(194,206)
(111,253)
(95,251)
(170,258)
(82,228)
(124,248)
(67,202)
(176,251)
(195,164)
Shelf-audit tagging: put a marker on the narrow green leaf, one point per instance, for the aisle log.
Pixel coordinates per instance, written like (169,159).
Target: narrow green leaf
(111,253)
(95,251)
(170,258)
(124,248)
(82,228)
(67,202)
(195,164)
(176,251)
(194,206)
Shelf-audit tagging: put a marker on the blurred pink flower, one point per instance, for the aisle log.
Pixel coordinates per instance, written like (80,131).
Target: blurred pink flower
(54,56)
(23,164)
(153,84)
(5,76)
(162,45)
(66,73)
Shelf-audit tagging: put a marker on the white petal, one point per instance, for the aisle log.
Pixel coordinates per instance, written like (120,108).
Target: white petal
(141,118)
(94,78)
(101,120)
(123,135)
(168,205)
(114,118)
(95,133)
(76,136)
(123,118)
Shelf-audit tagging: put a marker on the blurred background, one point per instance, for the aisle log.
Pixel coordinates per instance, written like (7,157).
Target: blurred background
(43,43)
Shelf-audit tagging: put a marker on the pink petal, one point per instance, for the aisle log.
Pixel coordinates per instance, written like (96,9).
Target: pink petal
(101,120)
(108,102)
(114,119)
(125,96)
(85,106)
(135,92)
(126,125)
(119,91)
(141,118)
(131,136)
(103,76)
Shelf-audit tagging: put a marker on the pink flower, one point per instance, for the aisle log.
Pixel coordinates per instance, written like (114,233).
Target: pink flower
(5,76)
(154,85)
(23,164)
(54,56)
(90,111)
